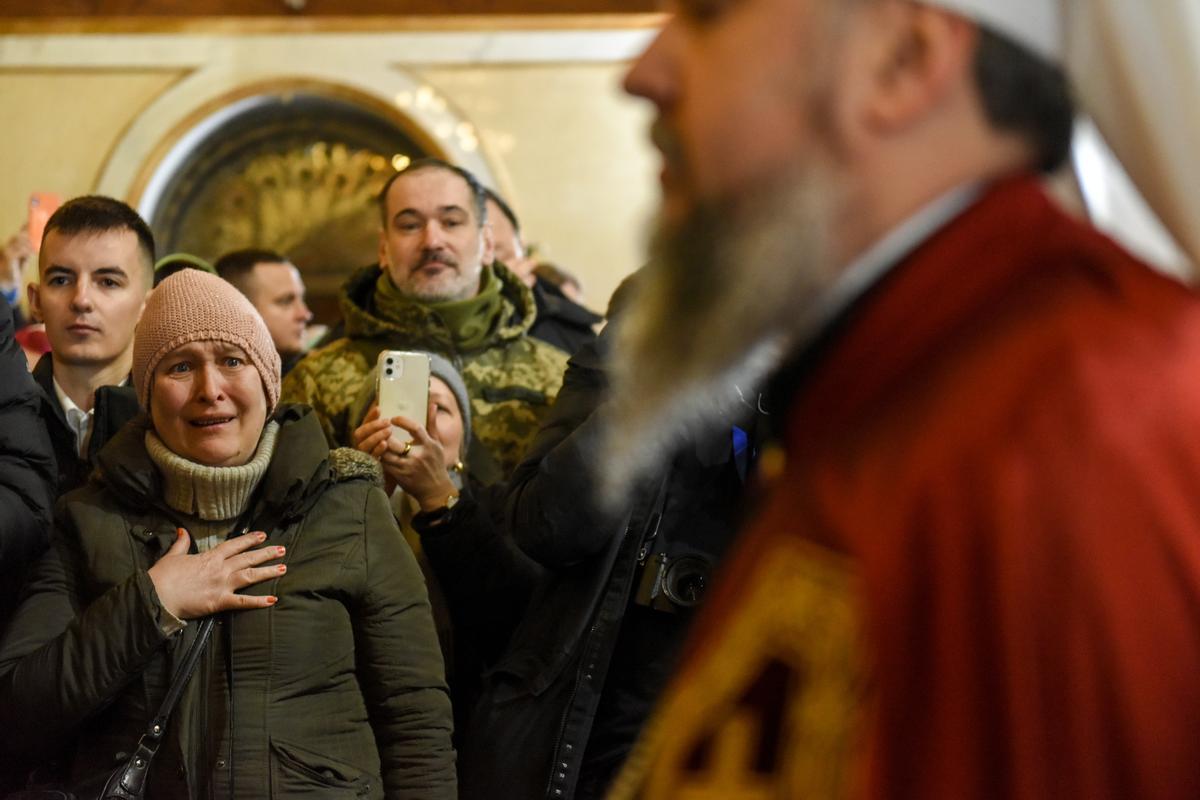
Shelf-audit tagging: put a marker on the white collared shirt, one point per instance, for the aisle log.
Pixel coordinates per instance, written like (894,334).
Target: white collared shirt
(78,420)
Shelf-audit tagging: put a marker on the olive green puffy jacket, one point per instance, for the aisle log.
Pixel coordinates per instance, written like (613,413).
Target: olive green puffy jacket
(336,691)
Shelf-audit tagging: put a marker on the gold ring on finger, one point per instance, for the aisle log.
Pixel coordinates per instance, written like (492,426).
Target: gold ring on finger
(407,449)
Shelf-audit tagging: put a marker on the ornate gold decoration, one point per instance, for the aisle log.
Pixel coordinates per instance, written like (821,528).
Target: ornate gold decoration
(297,170)
(771,707)
(315,203)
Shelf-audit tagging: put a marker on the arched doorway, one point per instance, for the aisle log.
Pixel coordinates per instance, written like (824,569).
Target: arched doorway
(288,163)
(291,169)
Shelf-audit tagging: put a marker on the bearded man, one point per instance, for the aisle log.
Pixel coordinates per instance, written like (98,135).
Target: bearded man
(975,568)
(436,289)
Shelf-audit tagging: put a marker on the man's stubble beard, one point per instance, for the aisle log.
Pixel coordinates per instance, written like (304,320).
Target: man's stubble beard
(728,293)
(456,286)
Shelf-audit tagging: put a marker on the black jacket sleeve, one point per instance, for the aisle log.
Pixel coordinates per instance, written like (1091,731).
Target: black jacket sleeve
(553,510)
(488,581)
(60,663)
(27,469)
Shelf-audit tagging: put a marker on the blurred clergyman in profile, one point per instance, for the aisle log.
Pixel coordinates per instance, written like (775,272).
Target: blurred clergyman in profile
(561,320)
(975,569)
(435,288)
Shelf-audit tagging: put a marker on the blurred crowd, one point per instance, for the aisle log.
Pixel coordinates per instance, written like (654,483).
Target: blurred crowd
(212,452)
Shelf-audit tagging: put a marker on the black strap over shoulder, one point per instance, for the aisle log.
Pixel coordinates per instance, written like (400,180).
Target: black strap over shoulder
(654,520)
(129,781)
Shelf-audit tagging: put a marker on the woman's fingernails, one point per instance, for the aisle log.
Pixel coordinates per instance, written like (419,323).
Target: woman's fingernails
(272,600)
(281,568)
(262,537)
(280,550)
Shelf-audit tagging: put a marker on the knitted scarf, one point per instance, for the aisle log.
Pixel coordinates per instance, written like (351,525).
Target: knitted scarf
(213,496)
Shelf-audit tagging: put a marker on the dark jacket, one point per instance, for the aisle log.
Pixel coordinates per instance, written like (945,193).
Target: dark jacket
(26,468)
(336,691)
(485,584)
(560,320)
(540,703)
(112,406)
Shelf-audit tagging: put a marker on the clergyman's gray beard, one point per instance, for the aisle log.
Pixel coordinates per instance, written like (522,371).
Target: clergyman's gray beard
(726,296)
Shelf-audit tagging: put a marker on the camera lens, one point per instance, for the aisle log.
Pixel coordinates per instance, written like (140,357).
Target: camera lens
(686,580)
(389,371)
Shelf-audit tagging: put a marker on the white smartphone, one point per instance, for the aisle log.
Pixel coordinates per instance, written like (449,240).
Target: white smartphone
(403,389)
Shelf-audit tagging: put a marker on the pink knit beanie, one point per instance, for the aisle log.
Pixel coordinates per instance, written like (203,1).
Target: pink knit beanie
(196,306)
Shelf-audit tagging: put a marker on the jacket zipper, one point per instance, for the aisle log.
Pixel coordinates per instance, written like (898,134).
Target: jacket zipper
(562,725)
(229,688)
(206,689)
(647,536)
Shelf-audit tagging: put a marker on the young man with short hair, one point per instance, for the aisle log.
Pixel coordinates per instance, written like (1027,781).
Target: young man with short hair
(95,267)
(274,287)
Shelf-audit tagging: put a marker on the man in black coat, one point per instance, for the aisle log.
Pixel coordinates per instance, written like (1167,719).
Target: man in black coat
(95,266)
(560,321)
(276,288)
(26,468)
(560,711)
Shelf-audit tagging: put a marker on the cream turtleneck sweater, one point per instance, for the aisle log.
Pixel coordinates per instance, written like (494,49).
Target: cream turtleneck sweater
(212,497)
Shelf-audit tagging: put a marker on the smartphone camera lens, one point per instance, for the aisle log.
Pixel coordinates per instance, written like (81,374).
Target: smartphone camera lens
(389,370)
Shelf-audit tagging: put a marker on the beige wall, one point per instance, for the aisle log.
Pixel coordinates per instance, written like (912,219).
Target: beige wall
(566,147)
(62,126)
(571,153)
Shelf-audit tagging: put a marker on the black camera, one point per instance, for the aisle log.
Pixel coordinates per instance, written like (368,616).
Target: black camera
(674,583)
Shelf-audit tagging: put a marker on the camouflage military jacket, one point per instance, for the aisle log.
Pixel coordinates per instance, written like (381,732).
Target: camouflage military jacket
(512,379)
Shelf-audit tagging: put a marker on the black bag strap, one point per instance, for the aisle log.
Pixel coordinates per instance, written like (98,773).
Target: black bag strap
(183,674)
(129,781)
(654,520)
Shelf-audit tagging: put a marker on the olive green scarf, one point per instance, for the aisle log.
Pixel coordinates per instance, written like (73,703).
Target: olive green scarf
(469,321)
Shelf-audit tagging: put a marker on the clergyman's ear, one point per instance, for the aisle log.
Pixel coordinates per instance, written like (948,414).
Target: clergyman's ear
(922,55)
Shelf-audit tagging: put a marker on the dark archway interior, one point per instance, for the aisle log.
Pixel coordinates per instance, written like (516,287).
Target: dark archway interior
(296,172)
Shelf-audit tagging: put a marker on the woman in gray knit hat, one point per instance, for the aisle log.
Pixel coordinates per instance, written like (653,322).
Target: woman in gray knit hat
(323,678)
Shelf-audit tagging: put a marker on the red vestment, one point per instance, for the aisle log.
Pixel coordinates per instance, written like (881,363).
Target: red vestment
(976,573)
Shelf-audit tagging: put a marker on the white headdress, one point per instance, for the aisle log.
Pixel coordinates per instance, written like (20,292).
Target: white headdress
(1135,65)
